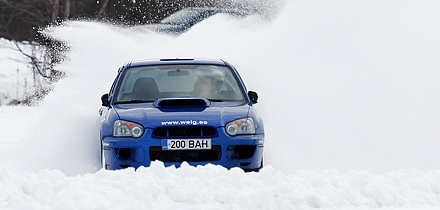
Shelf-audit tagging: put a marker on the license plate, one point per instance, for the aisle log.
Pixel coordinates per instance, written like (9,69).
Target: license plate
(186,144)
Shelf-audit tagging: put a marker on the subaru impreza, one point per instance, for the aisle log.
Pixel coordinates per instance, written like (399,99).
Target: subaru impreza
(180,110)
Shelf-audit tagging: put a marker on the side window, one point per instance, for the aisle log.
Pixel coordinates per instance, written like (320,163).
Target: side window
(127,79)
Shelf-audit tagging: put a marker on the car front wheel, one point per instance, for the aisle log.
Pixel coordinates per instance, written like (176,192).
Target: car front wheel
(255,169)
(103,164)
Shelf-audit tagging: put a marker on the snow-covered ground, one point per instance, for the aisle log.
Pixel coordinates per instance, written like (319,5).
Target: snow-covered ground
(349,91)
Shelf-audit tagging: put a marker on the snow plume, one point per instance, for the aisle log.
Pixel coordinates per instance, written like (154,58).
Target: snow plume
(343,86)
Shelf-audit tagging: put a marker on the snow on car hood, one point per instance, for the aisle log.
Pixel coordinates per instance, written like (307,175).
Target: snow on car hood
(217,114)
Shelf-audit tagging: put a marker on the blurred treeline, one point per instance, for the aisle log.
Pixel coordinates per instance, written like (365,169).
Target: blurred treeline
(21,19)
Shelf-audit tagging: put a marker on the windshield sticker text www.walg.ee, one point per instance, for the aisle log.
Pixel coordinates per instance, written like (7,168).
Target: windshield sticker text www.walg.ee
(185,122)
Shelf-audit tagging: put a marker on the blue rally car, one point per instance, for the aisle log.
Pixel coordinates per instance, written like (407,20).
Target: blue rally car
(180,110)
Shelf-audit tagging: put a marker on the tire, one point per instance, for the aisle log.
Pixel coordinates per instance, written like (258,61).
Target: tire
(103,164)
(261,166)
(255,169)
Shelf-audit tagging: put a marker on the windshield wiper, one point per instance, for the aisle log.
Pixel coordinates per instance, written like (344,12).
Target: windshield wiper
(215,100)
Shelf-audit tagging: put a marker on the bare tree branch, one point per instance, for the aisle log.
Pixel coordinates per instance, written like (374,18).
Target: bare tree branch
(103,8)
(34,61)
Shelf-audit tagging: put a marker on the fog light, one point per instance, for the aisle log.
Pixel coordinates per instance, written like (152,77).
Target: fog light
(125,154)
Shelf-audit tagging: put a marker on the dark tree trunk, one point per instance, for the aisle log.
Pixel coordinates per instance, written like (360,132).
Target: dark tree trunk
(67,9)
(55,10)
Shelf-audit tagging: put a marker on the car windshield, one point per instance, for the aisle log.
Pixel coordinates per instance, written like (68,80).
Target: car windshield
(147,83)
(187,17)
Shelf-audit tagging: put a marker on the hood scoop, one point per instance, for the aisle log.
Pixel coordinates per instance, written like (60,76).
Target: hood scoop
(181,102)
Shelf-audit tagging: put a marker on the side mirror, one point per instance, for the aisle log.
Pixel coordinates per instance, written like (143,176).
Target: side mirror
(104,100)
(253,96)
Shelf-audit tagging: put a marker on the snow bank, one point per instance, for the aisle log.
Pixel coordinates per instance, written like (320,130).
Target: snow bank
(213,187)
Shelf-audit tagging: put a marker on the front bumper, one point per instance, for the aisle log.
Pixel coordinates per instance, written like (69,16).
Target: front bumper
(243,151)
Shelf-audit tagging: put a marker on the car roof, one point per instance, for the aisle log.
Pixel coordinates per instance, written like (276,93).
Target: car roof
(217,9)
(202,13)
(174,61)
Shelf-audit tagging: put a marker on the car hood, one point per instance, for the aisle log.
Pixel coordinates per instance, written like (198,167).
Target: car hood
(217,114)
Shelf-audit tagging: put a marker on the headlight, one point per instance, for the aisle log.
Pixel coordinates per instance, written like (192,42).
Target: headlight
(126,128)
(240,126)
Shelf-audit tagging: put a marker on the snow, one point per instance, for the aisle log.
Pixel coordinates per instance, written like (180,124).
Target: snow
(348,91)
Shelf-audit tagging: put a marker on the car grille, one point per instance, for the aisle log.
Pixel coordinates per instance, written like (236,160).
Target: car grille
(214,154)
(185,132)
